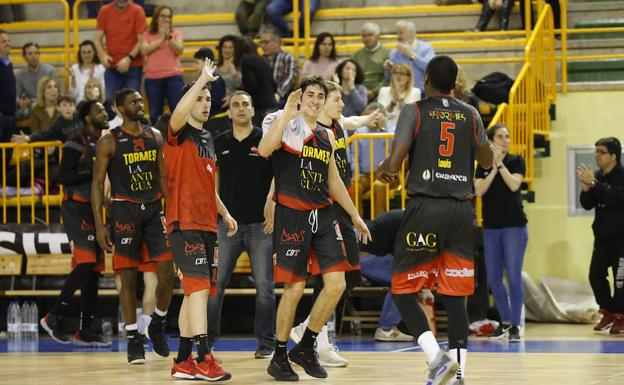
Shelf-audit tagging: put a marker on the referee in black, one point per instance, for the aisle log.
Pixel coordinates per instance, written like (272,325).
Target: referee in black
(244,180)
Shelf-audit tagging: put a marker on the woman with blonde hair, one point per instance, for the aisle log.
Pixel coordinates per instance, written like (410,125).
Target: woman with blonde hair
(94,90)
(399,93)
(45,109)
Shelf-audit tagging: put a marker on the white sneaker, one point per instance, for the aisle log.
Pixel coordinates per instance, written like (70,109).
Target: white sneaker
(392,335)
(296,333)
(442,369)
(457,381)
(328,356)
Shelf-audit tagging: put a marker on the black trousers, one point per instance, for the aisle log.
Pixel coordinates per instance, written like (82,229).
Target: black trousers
(608,253)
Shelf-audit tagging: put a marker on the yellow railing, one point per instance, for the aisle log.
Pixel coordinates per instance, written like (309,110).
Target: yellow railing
(14,157)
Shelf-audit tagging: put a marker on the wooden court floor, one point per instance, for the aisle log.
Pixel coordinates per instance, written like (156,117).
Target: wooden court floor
(379,368)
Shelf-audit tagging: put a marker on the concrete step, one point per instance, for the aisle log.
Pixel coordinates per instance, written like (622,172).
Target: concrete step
(600,23)
(596,70)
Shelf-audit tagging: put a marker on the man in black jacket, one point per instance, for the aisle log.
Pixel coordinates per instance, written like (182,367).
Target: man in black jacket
(604,191)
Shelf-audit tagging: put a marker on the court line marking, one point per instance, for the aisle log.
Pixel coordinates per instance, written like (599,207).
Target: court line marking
(609,378)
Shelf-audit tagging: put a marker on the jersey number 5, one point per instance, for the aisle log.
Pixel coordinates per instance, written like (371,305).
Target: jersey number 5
(447,136)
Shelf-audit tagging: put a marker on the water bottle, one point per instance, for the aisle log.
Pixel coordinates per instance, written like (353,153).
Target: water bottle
(356,327)
(107,328)
(34,320)
(14,323)
(331,327)
(121,324)
(25,318)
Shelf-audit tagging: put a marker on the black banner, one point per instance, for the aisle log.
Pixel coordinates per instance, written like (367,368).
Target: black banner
(36,239)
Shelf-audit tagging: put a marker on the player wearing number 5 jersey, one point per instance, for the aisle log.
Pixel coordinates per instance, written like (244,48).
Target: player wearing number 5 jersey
(442,136)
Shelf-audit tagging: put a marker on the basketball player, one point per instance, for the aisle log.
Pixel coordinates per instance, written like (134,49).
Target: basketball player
(442,136)
(131,154)
(331,118)
(76,172)
(306,234)
(192,209)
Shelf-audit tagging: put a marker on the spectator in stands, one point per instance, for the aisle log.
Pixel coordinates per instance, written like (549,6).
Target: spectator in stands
(491,6)
(371,59)
(94,90)
(9,89)
(258,80)
(323,60)
(282,64)
(277,9)
(250,15)
(603,191)
(505,234)
(400,92)
(217,88)
(123,24)
(354,94)
(62,127)
(228,66)
(28,78)
(115,121)
(162,45)
(411,51)
(88,67)
(364,156)
(45,109)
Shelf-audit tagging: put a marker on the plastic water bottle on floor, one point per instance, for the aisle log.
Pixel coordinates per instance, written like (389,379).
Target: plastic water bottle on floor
(34,320)
(356,327)
(25,318)
(107,328)
(331,327)
(121,324)
(14,322)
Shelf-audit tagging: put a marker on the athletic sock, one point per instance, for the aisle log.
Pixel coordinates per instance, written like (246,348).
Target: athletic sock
(186,348)
(309,338)
(160,312)
(201,342)
(459,356)
(132,327)
(429,345)
(280,348)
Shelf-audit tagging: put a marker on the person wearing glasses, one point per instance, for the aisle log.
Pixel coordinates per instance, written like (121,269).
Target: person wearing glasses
(399,93)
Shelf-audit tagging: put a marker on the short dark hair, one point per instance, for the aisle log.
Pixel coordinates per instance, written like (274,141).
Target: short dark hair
(28,45)
(66,99)
(316,52)
(613,146)
(203,53)
(359,74)
(121,95)
(84,109)
(442,71)
(491,132)
(188,86)
(313,80)
(240,92)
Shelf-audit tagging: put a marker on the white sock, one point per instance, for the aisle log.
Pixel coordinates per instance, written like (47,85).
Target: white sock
(132,327)
(322,340)
(144,321)
(305,323)
(461,359)
(429,345)
(160,312)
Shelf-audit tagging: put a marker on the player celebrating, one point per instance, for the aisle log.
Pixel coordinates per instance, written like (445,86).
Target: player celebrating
(442,135)
(192,209)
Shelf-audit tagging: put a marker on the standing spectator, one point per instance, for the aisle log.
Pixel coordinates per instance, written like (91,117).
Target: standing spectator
(603,191)
(323,61)
(505,233)
(45,109)
(371,59)
(354,94)
(257,80)
(283,64)
(123,24)
(228,65)
(8,87)
(411,51)
(250,15)
(400,92)
(88,67)
(28,78)
(240,167)
(162,45)
(277,9)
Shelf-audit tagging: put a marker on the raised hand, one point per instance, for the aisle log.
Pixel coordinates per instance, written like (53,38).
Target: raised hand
(207,74)
(290,109)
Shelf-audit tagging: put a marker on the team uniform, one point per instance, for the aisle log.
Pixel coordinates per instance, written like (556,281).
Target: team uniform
(435,240)
(136,214)
(306,234)
(76,210)
(191,164)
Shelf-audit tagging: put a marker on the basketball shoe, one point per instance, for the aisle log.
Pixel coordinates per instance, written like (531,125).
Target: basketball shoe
(514,334)
(501,331)
(308,360)
(185,370)
(51,323)
(280,369)
(442,369)
(618,325)
(457,381)
(136,352)
(156,332)
(606,321)
(209,370)
(327,353)
(88,338)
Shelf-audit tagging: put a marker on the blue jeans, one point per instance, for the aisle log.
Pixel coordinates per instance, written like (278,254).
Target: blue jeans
(276,10)
(259,246)
(379,269)
(504,249)
(158,90)
(116,81)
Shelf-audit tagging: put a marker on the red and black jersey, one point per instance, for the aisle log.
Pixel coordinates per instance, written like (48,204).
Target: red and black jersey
(191,164)
(77,167)
(133,167)
(340,153)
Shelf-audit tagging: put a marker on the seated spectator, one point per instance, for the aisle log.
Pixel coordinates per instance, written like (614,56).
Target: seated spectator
(257,81)
(162,46)
(94,90)
(45,109)
(371,59)
(400,92)
(8,87)
(228,65)
(277,9)
(63,127)
(323,60)
(283,65)
(411,51)
(250,15)
(88,67)
(354,94)
(489,7)
(122,23)
(28,78)
(363,161)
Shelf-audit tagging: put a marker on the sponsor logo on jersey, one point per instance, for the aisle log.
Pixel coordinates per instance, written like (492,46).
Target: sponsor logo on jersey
(445,163)
(292,237)
(459,273)
(451,177)
(421,241)
(418,274)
